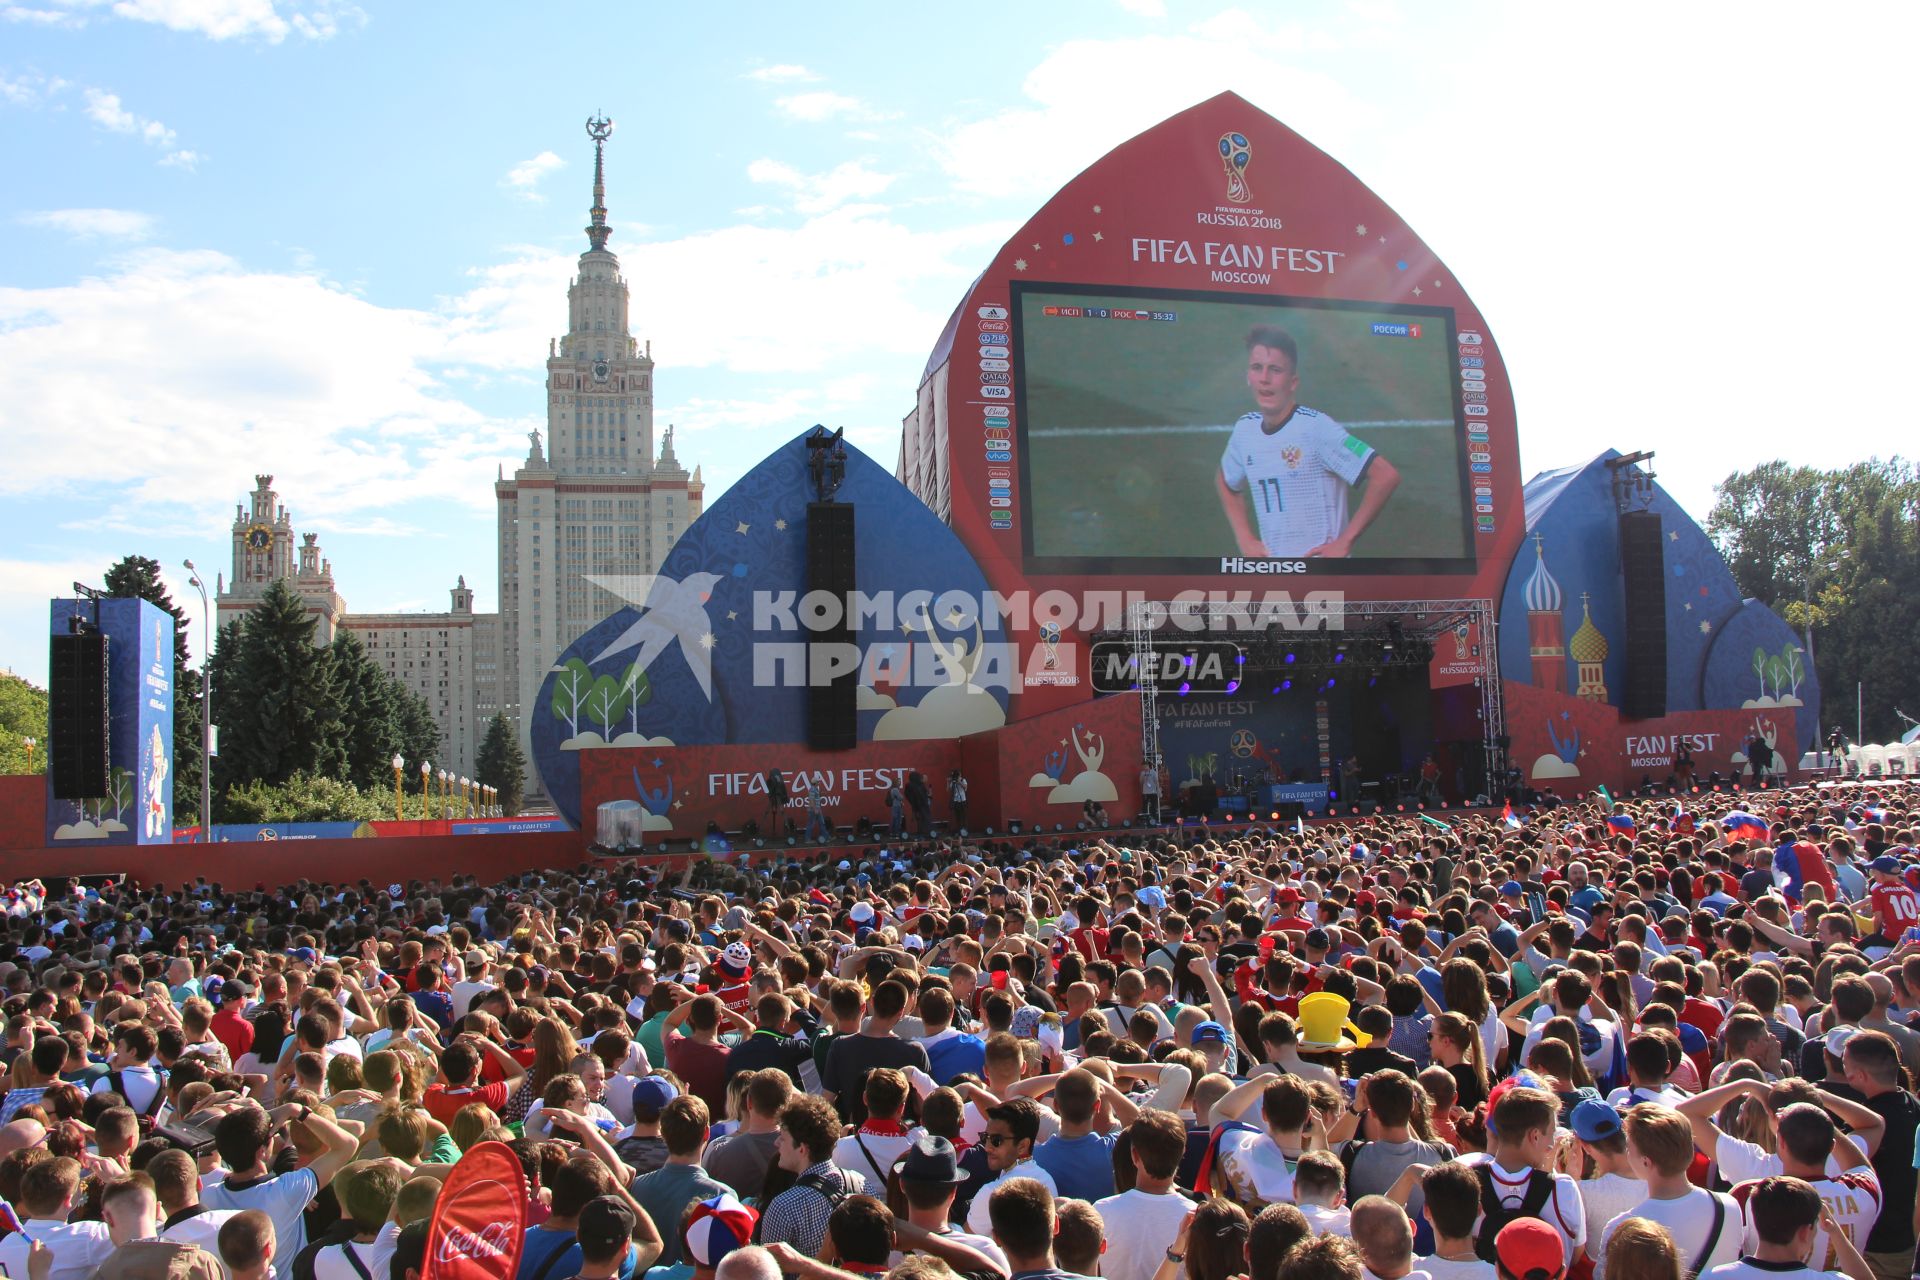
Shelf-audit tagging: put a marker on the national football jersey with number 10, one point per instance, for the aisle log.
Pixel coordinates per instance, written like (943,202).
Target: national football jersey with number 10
(1298,477)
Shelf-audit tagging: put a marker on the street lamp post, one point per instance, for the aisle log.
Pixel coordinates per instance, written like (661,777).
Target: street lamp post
(30,743)
(466,796)
(399,805)
(206,704)
(426,787)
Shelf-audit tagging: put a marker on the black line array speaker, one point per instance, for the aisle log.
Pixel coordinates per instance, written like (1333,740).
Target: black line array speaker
(1643,565)
(77,716)
(832,704)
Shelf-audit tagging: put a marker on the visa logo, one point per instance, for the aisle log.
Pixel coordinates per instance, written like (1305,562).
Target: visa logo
(997,393)
(992,313)
(1469,337)
(1476,411)
(1466,362)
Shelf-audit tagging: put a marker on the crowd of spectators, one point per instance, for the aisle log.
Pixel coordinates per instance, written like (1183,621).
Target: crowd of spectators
(1639,1040)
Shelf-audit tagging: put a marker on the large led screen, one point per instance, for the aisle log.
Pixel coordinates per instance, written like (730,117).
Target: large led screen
(1184,432)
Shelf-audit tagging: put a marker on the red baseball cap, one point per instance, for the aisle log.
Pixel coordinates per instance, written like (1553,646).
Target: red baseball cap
(1286,893)
(1529,1249)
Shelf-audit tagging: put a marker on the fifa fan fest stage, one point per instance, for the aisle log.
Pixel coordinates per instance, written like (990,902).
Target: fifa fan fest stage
(1210,502)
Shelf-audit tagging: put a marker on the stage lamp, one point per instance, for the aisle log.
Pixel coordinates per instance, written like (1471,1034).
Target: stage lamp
(1184,688)
(1340,656)
(1291,655)
(1330,681)
(758,842)
(1286,684)
(789,840)
(1276,688)
(1399,808)
(1274,816)
(1372,681)
(1233,686)
(1058,827)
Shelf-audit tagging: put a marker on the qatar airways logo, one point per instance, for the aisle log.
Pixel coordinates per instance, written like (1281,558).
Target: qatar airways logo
(491,1242)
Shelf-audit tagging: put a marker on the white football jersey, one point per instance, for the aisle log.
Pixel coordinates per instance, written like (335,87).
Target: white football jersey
(1299,477)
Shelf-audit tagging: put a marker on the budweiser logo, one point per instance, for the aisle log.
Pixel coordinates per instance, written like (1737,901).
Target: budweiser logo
(491,1242)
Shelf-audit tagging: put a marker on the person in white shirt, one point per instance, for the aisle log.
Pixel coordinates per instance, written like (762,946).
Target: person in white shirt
(1451,1195)
(1525,1132)
(1789,1218)
(134,1045)
(1648,1068)
(1142,1224)
(873,1148)
(1256,1169)
(245,1141)
(1012,1129)
(176,1182)
(366,1196)
(1319,1190)
(47,1193)
(1809,1144)
(1705,1225)
(1612,1189)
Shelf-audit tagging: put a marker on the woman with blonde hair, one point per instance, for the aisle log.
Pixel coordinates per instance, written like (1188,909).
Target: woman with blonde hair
(1640,1249)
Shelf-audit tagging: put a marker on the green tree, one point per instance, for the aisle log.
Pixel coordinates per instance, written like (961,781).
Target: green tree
(1839,552)
(370,713)
(23,715)
(501,764)
(138,577)
(274,697)
(418,734)
(304,798)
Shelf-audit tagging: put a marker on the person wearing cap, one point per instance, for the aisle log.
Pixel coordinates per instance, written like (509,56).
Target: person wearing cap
(1529,1249)
(1610,1189)
(930,1177)
(1895,907)
(230,1025)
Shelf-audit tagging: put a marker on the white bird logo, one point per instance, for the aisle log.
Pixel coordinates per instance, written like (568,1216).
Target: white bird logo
(673,611)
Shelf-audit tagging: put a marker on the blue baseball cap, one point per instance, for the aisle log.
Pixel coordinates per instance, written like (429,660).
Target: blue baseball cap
(1887,864)
(1594,1121)
(1513,889)
(1209,1033)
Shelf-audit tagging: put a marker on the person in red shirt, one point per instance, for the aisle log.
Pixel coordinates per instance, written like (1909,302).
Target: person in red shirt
(734,972)
(1896,908)
(1289,920)
(1090,940)
(459,1074)
(229,1027)
(697,1056)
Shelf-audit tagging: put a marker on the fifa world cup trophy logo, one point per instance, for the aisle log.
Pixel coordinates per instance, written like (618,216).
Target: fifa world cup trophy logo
(1461,633)
(1235,152)
(1050,641)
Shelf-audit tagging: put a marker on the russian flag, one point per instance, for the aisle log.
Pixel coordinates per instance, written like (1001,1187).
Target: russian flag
(1741,825)
(1622,822)
(1508,816)
(10,1221)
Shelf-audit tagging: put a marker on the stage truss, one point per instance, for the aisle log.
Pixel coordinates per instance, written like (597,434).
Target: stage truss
(1427,619)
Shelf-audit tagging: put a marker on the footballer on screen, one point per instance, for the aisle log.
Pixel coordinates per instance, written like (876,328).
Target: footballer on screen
(1295,464)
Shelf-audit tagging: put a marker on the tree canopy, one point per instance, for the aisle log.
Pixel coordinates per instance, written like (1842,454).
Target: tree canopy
(1839,549)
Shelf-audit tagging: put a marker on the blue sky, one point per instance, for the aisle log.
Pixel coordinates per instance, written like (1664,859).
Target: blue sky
(330,242)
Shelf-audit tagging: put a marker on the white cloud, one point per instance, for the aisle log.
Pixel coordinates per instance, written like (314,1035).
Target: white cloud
(782,73)
(1145,8)
(270,20)
(820,192)
(92,224)
(525,177)
(188,160)
(1032,149)
(106,110)
(824,104)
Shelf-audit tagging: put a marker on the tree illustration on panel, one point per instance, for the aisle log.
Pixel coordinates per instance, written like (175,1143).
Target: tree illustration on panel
(638,691)
(606,702)
(570,694)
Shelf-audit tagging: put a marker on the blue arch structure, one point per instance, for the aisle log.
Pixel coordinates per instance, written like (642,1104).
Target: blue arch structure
(746,551)
(1723,652)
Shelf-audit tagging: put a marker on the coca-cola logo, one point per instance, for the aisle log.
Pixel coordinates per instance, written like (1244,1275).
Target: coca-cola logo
(458,1242)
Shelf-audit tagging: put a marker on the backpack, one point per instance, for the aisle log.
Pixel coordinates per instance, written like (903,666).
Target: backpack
(1495,1215)
(143,1119)
(835,1194)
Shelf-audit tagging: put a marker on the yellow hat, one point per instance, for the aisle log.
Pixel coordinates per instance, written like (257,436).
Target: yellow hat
(1324,1027)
